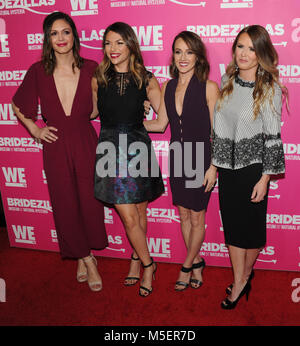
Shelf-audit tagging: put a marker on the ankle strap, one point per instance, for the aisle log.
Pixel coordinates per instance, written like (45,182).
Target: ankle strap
(148,265)
(199,264)
(186,270)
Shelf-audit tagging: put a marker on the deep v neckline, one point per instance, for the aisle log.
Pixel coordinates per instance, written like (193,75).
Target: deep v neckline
(74,98)
(184,96)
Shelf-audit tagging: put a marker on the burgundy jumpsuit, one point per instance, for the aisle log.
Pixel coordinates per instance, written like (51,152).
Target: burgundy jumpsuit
(69,162)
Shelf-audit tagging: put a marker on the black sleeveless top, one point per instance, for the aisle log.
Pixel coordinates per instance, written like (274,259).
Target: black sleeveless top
(122,102)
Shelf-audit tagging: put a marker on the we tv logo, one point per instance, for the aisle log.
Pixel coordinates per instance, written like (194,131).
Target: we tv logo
(24,234)
(14,176)
(7,116)
(84,7)
(149,37)
(159,247)
(4,48)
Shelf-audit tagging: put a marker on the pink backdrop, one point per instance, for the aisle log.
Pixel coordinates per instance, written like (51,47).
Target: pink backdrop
(22,180)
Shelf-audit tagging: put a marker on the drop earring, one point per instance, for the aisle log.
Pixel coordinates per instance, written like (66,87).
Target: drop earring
(260,71)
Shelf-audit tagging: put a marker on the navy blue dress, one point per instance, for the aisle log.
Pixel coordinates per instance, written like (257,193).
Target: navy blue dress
(193,126)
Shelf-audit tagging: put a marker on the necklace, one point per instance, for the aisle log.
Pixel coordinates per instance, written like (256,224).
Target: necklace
(244,83)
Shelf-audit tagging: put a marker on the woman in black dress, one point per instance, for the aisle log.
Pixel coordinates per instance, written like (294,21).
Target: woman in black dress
(247,149)
(187,103)
(125,159)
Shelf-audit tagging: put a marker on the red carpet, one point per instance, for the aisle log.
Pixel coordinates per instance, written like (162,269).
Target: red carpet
(42,290)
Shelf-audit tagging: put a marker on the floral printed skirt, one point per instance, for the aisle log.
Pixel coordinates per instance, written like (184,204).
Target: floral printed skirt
(126,169)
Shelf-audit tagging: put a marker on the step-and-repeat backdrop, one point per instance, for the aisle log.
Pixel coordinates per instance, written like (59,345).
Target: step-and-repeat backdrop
(23,182)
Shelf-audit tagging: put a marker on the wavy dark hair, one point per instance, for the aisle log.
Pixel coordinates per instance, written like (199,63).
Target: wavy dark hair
(267,73)
(194,42)
(105,69)
(48,56)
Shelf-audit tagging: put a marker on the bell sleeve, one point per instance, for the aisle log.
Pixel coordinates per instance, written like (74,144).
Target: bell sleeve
(26,96)
(273,154)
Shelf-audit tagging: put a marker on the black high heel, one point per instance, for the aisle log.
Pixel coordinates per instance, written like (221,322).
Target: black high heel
(199,283)
(183,283)
(136,279)
(229,288)
(148,290)
(229,305)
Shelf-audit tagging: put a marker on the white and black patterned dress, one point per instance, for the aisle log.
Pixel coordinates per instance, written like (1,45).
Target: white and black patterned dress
(244,148)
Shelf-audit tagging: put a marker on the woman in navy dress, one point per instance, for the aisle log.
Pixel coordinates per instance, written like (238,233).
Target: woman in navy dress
(61,82)
(187,103)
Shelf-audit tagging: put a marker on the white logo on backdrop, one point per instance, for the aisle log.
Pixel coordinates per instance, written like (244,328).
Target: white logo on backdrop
(24,234)
(4,48)
(162,215)
(291,151)
(7,116)
(16,144)
(296,32)
(236,4)
(149,37)
(267,251)
(14,177)
(84,7)
(54,236)
(283,222)
(159,247)
(14,5)
(115,240)
(29,205)
(135,3)
(189,2)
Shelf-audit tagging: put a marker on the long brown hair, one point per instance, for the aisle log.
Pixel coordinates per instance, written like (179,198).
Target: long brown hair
(136,63)
(267,73)
(194,42)
(48,56)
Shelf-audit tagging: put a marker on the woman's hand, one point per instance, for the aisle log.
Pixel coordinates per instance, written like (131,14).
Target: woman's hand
(45,134)
(210,178)
(260,189)
(147,106)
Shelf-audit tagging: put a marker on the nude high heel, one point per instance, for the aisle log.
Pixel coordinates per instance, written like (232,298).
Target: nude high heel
(95,286)
(82,275)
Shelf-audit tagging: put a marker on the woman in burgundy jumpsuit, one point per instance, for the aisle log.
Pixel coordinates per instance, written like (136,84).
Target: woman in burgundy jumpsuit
(69,142)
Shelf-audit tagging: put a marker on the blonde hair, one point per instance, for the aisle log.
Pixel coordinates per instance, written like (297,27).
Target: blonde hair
(267,73)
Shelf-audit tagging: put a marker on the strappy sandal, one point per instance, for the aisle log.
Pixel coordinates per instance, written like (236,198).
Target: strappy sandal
(184,284)
(95,286)
(136,279)
(82,275)
(148,290)
(199,283)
